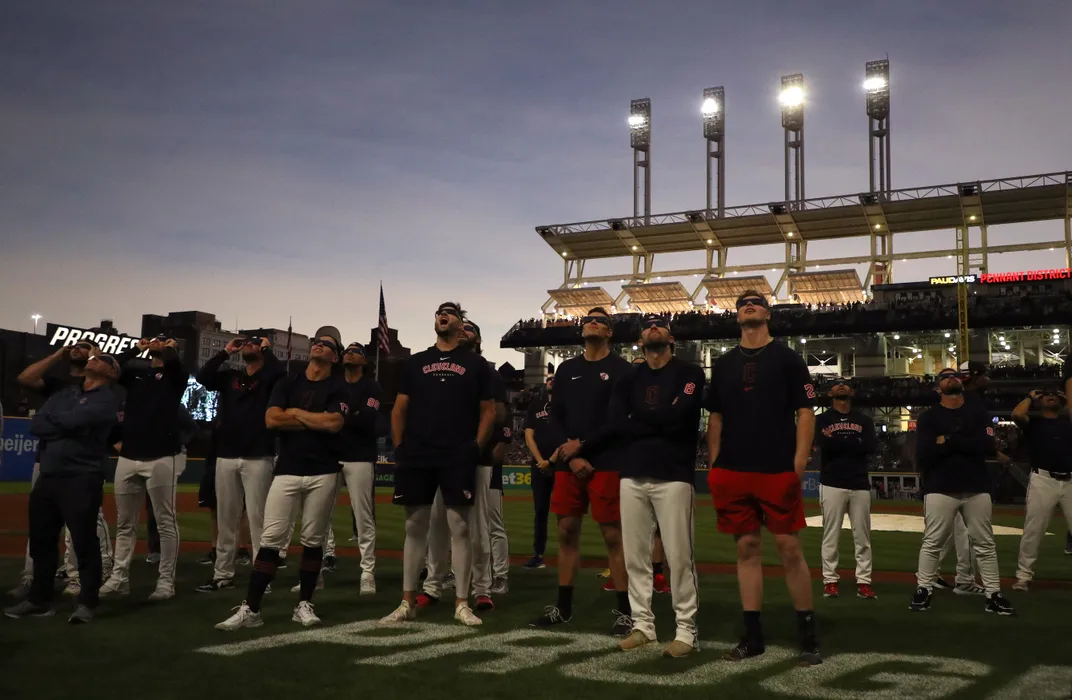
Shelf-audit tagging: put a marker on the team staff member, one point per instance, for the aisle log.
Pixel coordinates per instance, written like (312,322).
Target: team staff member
(656,412)
(953,439)
(37,378)
(307,411)
(846,438)
(358,453)
(147,461)
(542,442)
(759,437)
(1049,440)
(580,409)
(442,420)
(245,448)
(73,426)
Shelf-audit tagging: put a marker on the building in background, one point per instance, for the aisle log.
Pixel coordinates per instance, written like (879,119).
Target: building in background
(199,334)
(299,344)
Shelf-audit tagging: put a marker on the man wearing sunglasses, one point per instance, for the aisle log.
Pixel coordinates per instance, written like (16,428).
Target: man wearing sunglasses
(953,439)
(47,377)
(148,460)
(442,420)
(580,409)
(846,438)
(655,416)
(307,411)
(74,426)
(759,438)
(1049,440)
(358,453)
(245,448)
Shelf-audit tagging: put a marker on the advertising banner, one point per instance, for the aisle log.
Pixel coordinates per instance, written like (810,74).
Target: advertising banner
(109,343)
(19,450)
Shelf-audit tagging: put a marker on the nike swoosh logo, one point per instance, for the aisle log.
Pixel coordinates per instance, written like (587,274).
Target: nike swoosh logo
(575,377)
(445,358)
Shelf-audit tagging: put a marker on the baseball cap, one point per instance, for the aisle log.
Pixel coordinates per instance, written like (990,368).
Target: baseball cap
(654,320)
(355,347)
(330,331)
(470,326)
(974,368)
(841,381)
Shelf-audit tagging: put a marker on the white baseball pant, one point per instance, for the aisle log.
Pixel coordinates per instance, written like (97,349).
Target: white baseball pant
(940,511)
(835,503)
(27,566)
(360,479)
(240,482)
(314,496)
(329,535)
(479,535)
(967,564)
(1044,494)
(670,506)
(132,479)
(439,554)
(500,544)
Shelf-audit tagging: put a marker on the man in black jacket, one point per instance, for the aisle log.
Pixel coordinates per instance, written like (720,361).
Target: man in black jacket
(245,448)
(952,442)
(148,460)
(73,427)
(846,438)
(542,442)
(655,412)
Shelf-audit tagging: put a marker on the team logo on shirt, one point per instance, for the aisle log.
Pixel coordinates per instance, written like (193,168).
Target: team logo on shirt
(444,368)
(159,376)
(467,495)
(542,414)
(373,403)
(844,426)
(345,408)
(506,432)
(989,431)
(83,401)
(690,388)
(810,390)
(604,376)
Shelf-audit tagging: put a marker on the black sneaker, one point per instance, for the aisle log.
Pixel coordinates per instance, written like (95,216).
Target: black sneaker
(921,600)
(743,651)
(535,563)
(329,564)
(998,604)
(623,624)
(28,609)
(216,585)
(809,654)
(551,616)
(942,583)
(243,558)
(209,558)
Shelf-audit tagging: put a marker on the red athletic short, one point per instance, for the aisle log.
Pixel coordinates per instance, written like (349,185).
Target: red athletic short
(571,496)
(745,501)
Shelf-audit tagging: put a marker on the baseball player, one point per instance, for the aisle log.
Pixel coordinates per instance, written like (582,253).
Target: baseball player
(846,438)
(358,454)
(307,411)
(580,410)
(656,412)
(245,448)
(148,460)
(953,439)
(441,423)
(38,379)
(499,540)
(1049,440)
(74,426)
(759,437)
(542,443)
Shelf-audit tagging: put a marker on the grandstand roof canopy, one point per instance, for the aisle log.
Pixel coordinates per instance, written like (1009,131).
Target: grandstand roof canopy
(576,301)
(659,297)
(938,207)
(826,287)
(722,292)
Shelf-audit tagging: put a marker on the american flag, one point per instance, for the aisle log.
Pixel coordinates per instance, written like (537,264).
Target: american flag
(383,341)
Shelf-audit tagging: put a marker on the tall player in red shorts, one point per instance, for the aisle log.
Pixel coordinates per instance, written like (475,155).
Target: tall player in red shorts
(580,408)
(759,435)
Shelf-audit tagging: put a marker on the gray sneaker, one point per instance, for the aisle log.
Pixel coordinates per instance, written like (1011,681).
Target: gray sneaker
(81,616)
(22,590)
(28,609)
(499,586)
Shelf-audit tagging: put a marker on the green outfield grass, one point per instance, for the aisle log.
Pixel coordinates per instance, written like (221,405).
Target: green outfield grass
(893,551)
(875,650)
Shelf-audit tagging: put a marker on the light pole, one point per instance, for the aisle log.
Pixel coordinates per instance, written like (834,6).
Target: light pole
(36,318)
(792,99)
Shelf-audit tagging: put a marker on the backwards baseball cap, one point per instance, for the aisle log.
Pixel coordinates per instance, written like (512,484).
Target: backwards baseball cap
(471,327)
(449,308)
(840,381)
(355,347)
(111,362)
(974,368)
(331,332)
(650,320)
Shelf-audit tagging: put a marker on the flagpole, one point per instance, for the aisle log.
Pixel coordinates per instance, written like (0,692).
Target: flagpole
(377,375)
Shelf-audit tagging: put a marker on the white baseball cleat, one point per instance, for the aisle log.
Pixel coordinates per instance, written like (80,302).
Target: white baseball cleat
(305,615)
(114,586)
(403,613)
(368,584)
(162,592)
(465,615)
(1020,586)
(243,617)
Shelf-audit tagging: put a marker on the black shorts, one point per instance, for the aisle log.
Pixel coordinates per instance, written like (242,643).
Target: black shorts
(416,485)
(206,492)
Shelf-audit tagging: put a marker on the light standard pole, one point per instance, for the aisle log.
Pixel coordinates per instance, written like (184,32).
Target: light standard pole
(36,318)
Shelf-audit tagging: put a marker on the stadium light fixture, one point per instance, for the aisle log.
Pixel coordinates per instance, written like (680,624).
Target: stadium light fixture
(877,88)
(713,112)
(792,98)
(36,318)
(640,123)
(877,103)
(640,140)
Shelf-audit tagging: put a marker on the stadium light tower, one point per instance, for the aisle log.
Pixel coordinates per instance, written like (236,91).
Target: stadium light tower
(640,140)
(877,88)
(713,109)
(792,100)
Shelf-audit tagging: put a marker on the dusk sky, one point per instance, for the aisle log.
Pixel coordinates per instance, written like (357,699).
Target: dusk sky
(263,160)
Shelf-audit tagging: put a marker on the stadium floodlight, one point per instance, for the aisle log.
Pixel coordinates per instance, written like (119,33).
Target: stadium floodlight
(640,140)
(877,88)
(792,98)
(877,101)
(713,110)
(792,101)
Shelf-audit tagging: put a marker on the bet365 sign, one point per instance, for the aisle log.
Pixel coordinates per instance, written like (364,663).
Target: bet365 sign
(109,343)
